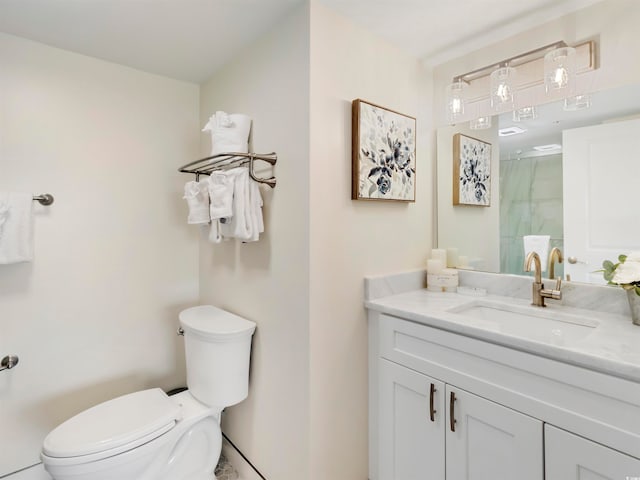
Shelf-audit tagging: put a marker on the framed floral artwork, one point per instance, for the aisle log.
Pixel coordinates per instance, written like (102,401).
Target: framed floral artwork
(383,154)
(471,171)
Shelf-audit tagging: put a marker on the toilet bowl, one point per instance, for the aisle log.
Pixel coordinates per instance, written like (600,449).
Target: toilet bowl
(148,435)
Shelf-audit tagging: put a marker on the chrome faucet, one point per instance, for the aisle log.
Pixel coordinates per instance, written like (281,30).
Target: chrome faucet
(539,293)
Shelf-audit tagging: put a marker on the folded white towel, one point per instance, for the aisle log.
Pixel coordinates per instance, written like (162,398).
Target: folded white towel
(229,132)
(16,227)
(197,196)
(538,244)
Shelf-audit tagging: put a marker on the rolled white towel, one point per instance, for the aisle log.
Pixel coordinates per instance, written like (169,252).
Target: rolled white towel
(538,244)
(229,132)
(16,227)
(197,196)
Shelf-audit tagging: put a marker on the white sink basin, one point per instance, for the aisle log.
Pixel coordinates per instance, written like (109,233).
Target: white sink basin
(534,323)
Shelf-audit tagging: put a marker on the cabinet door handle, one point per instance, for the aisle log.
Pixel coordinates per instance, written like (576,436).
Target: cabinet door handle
(452,420)
(432,411)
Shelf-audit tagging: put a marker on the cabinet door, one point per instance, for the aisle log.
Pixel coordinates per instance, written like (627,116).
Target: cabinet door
(411,437)
(486,441)
(568,456)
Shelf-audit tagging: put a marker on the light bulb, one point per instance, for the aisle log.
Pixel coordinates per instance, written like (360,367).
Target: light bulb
(502,88)
(560,69)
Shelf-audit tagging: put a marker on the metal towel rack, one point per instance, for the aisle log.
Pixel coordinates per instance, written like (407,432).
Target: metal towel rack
(222,161)
(44,199)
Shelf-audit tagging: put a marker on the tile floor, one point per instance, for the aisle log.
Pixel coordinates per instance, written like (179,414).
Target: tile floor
(225,471)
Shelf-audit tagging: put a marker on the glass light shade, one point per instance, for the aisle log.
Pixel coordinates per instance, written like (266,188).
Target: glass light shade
(455,100)
(560,69)
(502,88)
(577,102)
(525,113)
(480,123)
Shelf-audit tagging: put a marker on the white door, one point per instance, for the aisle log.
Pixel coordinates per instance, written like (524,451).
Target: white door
(411,425)
(486,441)
(571,457)
(600,181)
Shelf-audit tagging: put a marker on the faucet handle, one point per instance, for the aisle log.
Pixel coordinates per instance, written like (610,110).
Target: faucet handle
(554,294)
(558,284)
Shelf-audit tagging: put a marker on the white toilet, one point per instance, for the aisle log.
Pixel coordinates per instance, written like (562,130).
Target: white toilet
(148,435)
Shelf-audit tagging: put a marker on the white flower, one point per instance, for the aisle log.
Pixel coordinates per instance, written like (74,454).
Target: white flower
(627,272)
(633,257)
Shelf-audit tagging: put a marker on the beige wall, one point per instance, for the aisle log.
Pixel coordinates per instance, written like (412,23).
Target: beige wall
(94,315)
(350,239)
(268,281)
(613,23)
(306,416)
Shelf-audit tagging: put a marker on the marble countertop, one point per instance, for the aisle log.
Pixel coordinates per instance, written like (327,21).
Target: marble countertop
(612,347)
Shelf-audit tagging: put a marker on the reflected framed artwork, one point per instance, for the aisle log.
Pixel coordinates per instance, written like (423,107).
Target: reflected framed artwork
(383,154)
(471,171)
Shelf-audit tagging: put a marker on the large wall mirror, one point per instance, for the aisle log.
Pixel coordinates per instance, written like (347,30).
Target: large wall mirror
(571,175)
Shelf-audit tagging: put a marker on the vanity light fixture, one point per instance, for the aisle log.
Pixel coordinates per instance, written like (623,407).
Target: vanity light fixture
(554,65)
(525,113)
(480,123)
(455,99)
(577,102)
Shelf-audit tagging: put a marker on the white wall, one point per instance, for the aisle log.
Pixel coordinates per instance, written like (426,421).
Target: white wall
(268,281)
(612,23)
(351,239)
(94,315)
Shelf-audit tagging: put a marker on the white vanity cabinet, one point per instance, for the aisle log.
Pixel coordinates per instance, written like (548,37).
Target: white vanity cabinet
(428,427)
(447,406)
(489,441)
(568,456)
(412,422)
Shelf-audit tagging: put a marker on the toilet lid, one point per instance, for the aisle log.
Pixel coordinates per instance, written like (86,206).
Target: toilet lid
(215,324)
(131,419)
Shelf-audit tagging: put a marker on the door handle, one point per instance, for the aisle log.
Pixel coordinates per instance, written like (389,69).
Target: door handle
(452,419)
(432,411)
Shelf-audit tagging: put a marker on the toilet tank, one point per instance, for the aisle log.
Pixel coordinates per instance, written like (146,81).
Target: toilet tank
(217,350)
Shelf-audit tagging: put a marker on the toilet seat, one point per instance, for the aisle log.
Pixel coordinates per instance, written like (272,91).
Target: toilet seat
(112,427)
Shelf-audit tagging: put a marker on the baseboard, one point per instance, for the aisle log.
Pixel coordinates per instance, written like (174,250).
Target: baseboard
(243,467)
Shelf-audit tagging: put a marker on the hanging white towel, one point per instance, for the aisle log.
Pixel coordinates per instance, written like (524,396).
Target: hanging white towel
(16,227)
(197,196)
(540,245)
(255,205)
(229,132)
(220,186)
(239,225)
(246,224)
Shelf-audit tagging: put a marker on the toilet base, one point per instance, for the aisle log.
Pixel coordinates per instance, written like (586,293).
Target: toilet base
(189,451)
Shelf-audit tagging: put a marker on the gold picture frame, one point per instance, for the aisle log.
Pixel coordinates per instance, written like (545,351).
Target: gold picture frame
(383,153)
(471,171)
